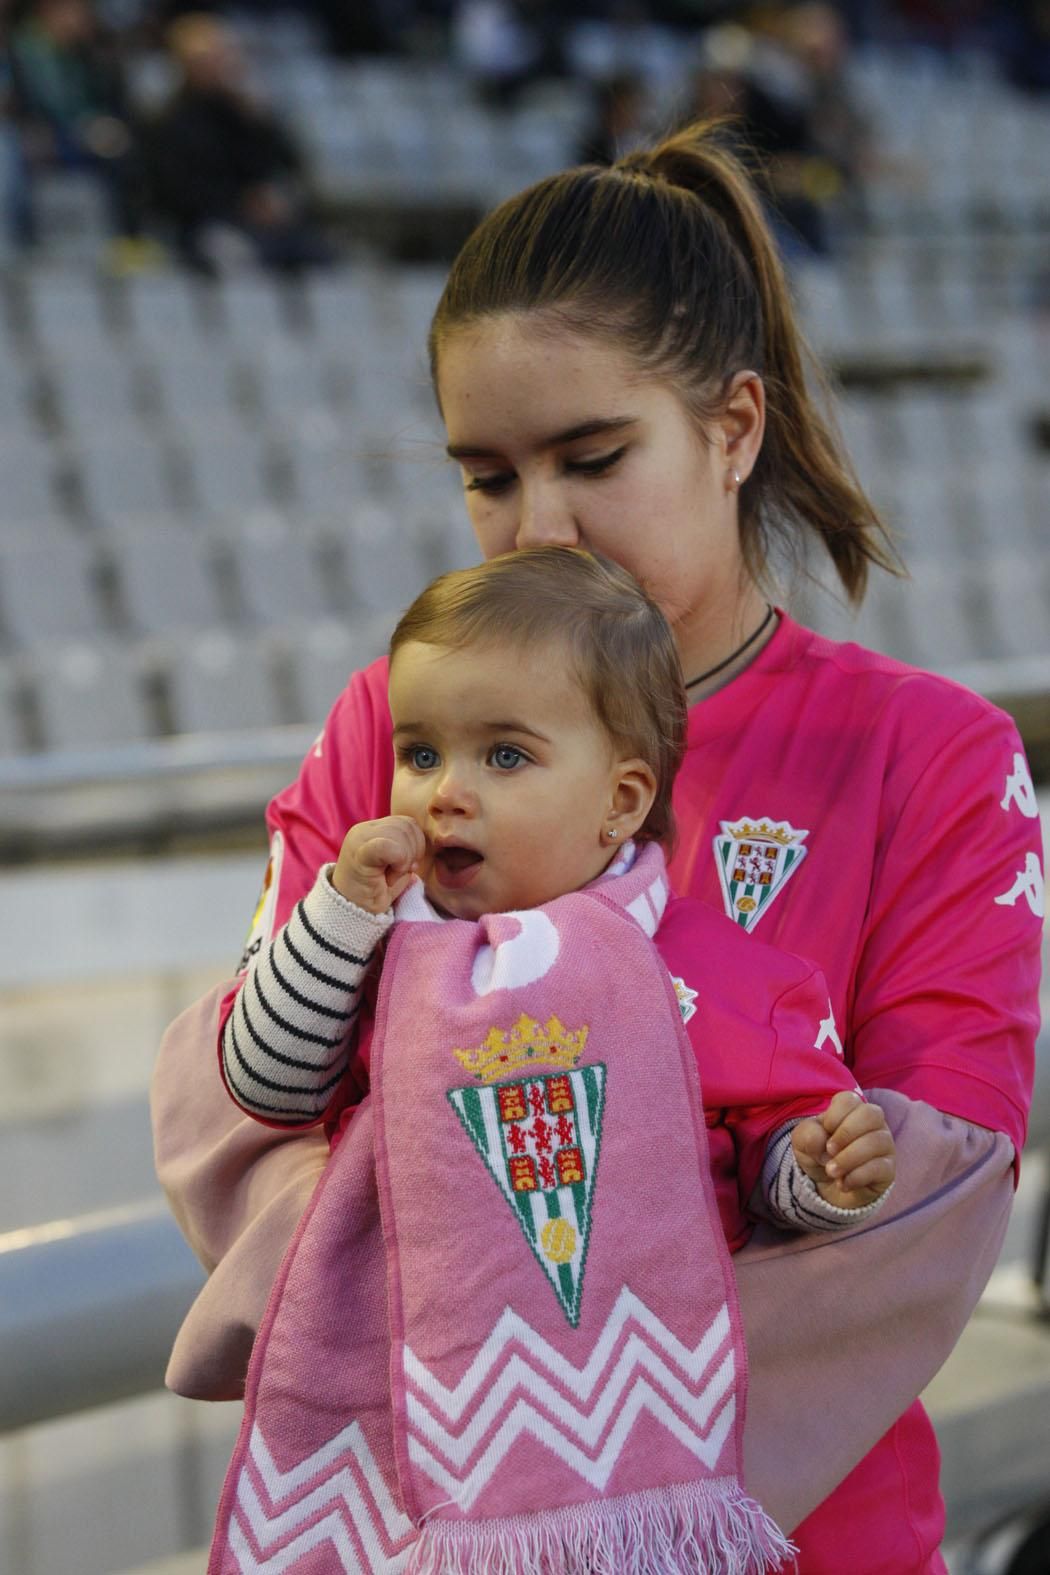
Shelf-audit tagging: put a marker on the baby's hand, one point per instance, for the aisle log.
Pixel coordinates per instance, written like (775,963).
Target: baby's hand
(377,860)
(848,1152)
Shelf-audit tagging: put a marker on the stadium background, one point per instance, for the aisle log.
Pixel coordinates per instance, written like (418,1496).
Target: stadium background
(219,488)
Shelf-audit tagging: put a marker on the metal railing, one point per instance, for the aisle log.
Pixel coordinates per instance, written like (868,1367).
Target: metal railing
(89,1308)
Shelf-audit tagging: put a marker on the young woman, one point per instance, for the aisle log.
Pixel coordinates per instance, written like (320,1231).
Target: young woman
(618,367)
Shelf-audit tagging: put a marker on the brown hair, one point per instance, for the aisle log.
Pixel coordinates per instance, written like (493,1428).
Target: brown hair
(668,253)
(619,641)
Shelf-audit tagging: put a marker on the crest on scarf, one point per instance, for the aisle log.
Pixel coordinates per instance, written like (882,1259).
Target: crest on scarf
(539,1139)
(755,859)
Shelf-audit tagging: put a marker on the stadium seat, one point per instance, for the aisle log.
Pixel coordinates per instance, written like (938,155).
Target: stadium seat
(218,683)
(19,402)
(1015,596)
(169,580)
(283,579)
(49,591)
(126,478)
(65,313)
(346,314)
(168,312)
(290,383)
(31,479)
(103,391)
(198,385)
(386,567)
(232,471)
(254,311)
(326,655)
(88,696)
(11,736)
(329,478)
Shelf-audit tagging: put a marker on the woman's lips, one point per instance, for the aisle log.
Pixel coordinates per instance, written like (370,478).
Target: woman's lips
(456,867)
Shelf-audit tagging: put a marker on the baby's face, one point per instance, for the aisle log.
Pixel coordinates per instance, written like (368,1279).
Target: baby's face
(500,760)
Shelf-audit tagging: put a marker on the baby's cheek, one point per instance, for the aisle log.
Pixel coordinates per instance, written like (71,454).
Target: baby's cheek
(402,799)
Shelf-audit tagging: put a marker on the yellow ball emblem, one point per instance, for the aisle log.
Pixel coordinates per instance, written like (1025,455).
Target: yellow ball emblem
(558,1238)
(747,904)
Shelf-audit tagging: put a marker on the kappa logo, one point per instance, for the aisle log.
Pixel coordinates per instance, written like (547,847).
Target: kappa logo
(1020,790)
(755,859)
(1028,883)
(826,1029)
(539,1138)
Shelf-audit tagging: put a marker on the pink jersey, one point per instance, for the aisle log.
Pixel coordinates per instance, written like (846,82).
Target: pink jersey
(841,806)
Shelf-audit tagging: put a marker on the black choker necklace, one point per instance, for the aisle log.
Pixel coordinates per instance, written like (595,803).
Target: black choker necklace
(711,671)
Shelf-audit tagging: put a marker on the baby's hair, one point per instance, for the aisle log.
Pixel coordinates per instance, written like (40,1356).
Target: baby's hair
(617,638)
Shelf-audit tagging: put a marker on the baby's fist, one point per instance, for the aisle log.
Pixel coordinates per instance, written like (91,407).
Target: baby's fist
(377,860)
(848,1152)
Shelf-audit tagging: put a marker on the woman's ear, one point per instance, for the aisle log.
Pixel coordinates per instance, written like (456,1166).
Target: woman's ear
(743,423)
(633,789)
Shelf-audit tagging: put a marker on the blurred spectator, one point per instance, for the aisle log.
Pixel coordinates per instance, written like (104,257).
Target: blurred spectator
(617,123)
(504,45)
(815,39)
(68,109)
(218,159)
(344,27)
(1028,54)
(786,93)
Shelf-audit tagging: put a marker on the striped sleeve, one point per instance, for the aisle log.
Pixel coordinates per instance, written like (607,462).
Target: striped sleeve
(792,1201)
(286,1042)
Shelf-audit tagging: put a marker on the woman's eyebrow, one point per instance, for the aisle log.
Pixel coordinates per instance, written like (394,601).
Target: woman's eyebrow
(569,435)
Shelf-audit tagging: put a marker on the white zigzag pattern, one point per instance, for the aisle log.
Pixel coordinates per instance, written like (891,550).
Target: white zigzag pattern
(340,1488)
(331,1529)
(588,1429)
(524,1417)
(511,1328)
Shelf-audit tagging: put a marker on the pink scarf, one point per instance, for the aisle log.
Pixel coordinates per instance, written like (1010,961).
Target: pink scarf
(505,1338)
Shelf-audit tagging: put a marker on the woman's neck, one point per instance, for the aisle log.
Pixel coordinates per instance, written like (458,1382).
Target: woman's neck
(727,645)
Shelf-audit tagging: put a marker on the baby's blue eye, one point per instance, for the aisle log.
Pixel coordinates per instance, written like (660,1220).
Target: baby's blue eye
(506,757)
(423,757)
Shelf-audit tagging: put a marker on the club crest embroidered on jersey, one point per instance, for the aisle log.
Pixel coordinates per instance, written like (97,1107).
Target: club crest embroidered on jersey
(755,859)
(261,929)
(539,1139)
(686,997)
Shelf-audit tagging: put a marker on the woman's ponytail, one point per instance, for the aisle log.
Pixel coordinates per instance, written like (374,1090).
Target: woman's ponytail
(803,480)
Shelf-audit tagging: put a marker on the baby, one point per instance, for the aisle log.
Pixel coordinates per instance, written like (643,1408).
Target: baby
(538,721)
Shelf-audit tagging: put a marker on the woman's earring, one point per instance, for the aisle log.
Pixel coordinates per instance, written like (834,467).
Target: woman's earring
(612,833)
(734,481)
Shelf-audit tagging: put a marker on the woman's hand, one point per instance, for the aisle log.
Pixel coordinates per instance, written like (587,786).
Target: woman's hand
(377,861)
(848,1152)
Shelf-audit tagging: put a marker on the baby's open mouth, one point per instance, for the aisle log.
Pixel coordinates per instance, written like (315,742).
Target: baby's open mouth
(456,866)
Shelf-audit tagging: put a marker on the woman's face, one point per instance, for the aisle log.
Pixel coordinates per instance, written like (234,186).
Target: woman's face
(561,440)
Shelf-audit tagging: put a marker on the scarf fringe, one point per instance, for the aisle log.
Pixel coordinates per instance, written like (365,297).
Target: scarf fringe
(699,1529)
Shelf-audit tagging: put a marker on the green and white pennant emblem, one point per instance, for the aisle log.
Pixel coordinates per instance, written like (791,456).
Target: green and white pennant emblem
(755,858)
(539,1138)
